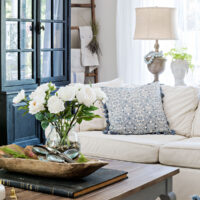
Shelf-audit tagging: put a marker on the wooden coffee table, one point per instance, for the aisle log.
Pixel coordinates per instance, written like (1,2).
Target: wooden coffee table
(145,182)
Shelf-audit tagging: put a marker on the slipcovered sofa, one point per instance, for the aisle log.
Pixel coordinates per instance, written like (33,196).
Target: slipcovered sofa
(182,109)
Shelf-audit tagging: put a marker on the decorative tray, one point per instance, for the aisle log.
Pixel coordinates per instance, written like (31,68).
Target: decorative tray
(51,169)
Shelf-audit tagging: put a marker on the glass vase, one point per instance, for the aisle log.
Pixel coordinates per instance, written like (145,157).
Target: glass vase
(55,141)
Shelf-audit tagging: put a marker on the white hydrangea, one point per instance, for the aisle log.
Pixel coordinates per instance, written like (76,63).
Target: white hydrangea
(86,96)
(35,106)
(100,94)
(20,96)
(67,93)
(55,105)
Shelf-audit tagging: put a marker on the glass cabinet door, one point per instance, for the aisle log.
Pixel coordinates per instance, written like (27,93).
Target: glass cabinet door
(19,41)
(35,41)
(53,42)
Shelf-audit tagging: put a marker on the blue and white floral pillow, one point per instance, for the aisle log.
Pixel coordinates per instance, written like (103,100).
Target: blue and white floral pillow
(135,111)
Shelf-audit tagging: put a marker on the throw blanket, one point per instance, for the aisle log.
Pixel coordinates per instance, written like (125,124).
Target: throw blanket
(88,59)
(77,70)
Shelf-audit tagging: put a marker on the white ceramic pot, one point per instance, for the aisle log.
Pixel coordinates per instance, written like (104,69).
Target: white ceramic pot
(179,69)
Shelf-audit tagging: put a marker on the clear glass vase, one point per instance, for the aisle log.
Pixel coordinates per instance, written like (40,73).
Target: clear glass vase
(55,141)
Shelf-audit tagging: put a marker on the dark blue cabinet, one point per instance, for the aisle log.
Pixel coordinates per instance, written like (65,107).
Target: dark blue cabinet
(21,130)
(35,48)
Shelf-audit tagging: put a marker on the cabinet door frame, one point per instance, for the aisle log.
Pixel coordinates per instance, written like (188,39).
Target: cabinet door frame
(15,134)
(36,67)
(18,83)
(65,79)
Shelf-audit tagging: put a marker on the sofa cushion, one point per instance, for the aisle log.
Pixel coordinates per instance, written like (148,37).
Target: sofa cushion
(99,124)
(118,82)
(196,124)
(135,148)
(135,111)
(184,153)
(179,105)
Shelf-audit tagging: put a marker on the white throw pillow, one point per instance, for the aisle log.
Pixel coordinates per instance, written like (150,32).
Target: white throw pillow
(99,124)
(180,104)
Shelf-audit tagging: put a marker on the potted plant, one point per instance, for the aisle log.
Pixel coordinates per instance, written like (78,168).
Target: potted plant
(62,109)
(181,62)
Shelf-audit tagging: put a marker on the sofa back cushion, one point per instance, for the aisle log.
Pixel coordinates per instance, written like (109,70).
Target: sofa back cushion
(113,83)
(180,104)
(196,123)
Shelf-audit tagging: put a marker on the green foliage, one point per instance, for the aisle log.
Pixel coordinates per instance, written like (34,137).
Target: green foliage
(180,54)
(44,124)
(39,116)
(86,113)
(13,153)
(64,121)
(25,107)
(82,159)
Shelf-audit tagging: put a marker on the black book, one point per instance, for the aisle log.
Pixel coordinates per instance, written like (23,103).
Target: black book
(62,187)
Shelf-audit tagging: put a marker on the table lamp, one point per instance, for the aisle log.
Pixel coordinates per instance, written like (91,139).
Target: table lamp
(155,23)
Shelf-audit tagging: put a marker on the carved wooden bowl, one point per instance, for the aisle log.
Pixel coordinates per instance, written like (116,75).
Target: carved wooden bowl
(51,169)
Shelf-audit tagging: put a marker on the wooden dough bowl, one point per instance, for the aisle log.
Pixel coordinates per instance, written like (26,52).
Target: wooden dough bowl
(51,169)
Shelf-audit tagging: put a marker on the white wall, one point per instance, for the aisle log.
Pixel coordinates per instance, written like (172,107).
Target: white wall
(106,17)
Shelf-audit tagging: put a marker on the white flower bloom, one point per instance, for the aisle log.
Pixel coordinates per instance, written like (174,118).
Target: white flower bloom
(36,106)
(78,86)
(55,105)
(19,97)
(42,88)
(40,92)
(100,94)
(67,93)
(86,96)
(38,95)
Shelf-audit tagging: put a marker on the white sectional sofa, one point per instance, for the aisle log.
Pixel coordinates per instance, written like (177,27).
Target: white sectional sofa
(182,108)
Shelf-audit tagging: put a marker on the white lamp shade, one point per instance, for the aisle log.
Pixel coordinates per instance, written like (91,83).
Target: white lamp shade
(156,23)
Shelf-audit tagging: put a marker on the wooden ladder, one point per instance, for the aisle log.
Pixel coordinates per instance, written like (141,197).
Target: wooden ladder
(92,6)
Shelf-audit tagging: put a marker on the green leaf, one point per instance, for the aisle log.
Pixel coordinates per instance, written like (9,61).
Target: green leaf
(82,159)
(97,116)
(47,115)
(39,116)
(79,120)
(44,124)
(22,108)
(13,153)
(25,113)
(91,108)
(68,113)
(87,118)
